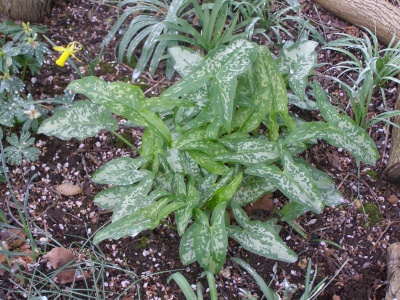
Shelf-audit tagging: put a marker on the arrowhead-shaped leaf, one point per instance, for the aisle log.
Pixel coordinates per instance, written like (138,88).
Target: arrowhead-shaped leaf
(295,182)
(121,171)
(84,119)
(297,61)
(210,242)
(222,65)
(133,224)
(260,238)
(340,131)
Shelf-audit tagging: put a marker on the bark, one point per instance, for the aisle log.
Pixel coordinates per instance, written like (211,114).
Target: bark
(26,10)
(392,171)
(393,267)
(368,13)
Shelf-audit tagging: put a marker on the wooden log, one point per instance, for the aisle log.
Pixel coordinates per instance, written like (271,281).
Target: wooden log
(392,171)
(393,267)
(371,14)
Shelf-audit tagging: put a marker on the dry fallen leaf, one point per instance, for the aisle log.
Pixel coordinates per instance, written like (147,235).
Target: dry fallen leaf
(3,247)
(302,263)
(357,204)
(59,256)
(69,275)
(69,189)
(393,199)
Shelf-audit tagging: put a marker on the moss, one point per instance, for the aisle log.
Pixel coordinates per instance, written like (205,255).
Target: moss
(142,243)
(372,174)
(373,213)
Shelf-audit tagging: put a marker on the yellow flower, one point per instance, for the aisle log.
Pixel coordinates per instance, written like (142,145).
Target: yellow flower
(67,52)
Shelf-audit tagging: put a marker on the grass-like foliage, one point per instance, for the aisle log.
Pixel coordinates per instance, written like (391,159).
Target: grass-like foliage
(148,24)
(373,66)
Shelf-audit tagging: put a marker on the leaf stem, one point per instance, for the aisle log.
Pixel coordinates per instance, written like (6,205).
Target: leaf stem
(124,140)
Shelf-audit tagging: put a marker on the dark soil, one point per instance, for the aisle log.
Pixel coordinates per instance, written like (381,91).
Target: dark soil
(342,239)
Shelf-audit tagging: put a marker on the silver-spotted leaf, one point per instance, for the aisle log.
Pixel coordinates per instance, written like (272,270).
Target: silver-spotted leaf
(133,224)
(84,119)
(210,241)
(260,238)
(122,171)
(295,182)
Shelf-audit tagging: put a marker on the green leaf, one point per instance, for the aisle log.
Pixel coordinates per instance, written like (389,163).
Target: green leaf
(184,215)
(122,171)
(340,131)
(260,238)
(251,189)
(205,161)
(295,182)
(156,104)
(224,194)
(84,119)
(186,246)
(267,291)
(183,285)
(185,59)
(269,95)
(249,151)
(297,61)
(107,199)
(20,149)
(222,65)
(196,140)
(137,198)
(133,224)
(122,99)
(210,242)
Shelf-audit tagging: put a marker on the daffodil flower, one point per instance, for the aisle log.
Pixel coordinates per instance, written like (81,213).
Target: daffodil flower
(67,52)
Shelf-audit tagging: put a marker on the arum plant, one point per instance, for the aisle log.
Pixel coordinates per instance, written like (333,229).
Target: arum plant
(201,152)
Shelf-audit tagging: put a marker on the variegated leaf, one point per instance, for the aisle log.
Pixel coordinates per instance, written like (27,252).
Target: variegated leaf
(185,59)
(122,171)
(340,131)
(269,93)
(133,224)
(297,61)
(222,65)
(205,161)
(209,185)
(184,215)
(330,195)
(210,242)
(186,246)
(224,194)
(107,199)
(196,140)
(295,182)
(251,189)
(249,151)
(115,94)
(260,238)
(122,99)
(84,119)
(157,104)
(137,198)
